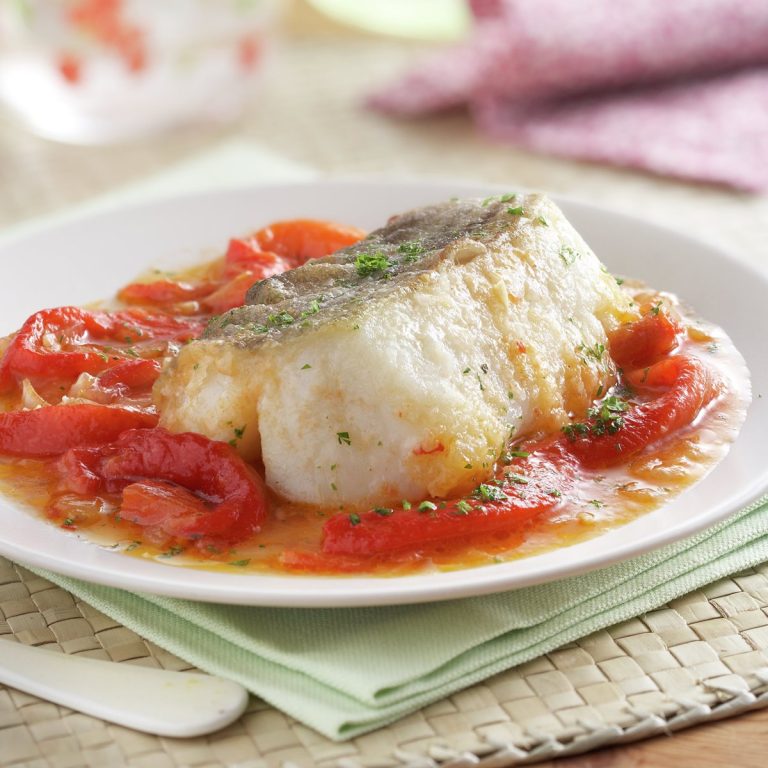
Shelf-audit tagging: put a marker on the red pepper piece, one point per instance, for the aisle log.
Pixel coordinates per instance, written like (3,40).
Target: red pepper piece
(231,294)
(302,239)
(529,488)
(132,374)
(161,292)
(645,341)
(178,486)
(54,429)
(64,342)
(689,385)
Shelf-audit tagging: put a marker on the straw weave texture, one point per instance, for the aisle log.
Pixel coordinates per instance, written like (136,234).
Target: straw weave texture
(701,657)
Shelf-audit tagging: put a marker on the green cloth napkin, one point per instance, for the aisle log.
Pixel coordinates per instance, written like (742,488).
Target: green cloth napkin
(348,671)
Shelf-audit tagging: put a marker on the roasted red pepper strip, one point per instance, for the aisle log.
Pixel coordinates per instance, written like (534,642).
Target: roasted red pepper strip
(162,292)
(645,341)
(301,239)
(62,343)
(528,488)
(54,429)
(178,486)
(689,387)
(130,375)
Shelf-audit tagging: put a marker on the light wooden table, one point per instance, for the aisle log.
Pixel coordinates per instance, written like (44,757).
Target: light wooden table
(310,111)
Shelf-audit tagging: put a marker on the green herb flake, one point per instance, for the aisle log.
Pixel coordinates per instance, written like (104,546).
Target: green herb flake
(427,506)
(568,255)
(596,503)
(406,504)
(240,431)
(516,211)
(411,251)
(554,492)
(343,438)
(368,264)
(463,507)
(517,479)
(241,563)
(314,308)
(619,280)
(490,493)
(541,220)
(281,319)
(354,518)
(655,309)
(572,431)
(68,522)
(172,552)
(305,367)
(383,511)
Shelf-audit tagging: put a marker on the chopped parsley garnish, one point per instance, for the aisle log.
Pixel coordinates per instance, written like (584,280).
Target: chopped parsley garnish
(411,250)
(241,563)
(368,264)
(606,418)
(305,366)
(314,308)
(406,504)
(516,211)
(463,507)
(554,492)
(596,503)
(619,280)
(608,415)
(281,319)
(595,352)
(490,493)
(541,220)
(427,506)
(518,479)
(354,518)
(343,438)
(69,522)
(383,511)
(239,431)
(172,552)
(573,430)
(568,255)
(505,198)
(518,454)
(655,309)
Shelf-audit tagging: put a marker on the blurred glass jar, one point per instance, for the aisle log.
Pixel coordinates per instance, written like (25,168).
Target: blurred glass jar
(99,71)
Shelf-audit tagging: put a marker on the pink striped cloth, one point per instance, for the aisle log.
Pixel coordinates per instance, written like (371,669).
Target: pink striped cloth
(677,87)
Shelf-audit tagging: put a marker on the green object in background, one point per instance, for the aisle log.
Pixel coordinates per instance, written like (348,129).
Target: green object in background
(436,20)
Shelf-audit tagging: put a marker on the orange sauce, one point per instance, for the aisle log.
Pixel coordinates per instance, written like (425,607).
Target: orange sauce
(600,501)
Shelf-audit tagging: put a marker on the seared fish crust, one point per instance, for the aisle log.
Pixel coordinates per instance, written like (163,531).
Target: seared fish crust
(397,368)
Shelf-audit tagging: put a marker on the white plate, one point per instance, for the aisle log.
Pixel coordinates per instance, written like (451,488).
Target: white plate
(87,259)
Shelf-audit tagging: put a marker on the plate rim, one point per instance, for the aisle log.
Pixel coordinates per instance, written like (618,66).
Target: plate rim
(312,591)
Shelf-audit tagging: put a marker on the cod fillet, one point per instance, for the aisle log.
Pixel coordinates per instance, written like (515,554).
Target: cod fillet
(398,367)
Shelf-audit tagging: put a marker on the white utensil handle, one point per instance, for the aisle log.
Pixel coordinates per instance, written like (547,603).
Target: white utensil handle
(157,701)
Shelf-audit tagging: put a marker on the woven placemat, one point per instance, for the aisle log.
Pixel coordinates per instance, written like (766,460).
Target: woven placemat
(701,657)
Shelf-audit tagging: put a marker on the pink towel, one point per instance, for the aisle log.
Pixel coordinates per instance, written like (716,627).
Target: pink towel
(678,87)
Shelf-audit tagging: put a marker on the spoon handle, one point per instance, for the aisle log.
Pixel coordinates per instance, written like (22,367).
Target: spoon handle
(158,701)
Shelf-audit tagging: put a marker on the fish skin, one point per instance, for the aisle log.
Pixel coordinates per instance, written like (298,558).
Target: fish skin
(488,320)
